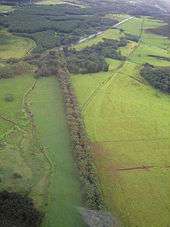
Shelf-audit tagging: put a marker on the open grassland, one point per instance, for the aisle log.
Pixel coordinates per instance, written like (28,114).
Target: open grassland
(108,34)
(5,8)
(54,2)
(129,126)
(64,189)
(14,46)
(119,17)
(35,149)
(22,164)
(12,110)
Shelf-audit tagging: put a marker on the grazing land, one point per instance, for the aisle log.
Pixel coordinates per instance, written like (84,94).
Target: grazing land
(128,123)
(64,189)
(5,8)
(41,162)
(13,46)
(84,111)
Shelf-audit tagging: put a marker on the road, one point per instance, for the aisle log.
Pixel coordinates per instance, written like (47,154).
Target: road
(101,32)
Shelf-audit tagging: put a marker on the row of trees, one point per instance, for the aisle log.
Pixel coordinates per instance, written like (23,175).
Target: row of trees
(158,77)
(91,193)
(13,69)
(162,30)
(54,64)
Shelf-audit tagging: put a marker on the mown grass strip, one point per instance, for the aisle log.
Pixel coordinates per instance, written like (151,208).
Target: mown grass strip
(64,189)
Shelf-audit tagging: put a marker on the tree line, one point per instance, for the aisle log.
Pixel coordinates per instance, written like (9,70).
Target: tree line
(55,64)
(158,77)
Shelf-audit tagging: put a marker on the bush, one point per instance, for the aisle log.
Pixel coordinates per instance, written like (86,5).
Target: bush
(9,97)
(18,210)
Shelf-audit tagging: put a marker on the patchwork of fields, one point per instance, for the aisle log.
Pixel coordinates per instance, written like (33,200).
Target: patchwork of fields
(14,46)
(35,149)
(129,126)
(126,120)
(64,189)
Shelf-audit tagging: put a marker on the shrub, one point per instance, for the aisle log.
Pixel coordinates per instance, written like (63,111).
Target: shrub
(9,98)
(18,210)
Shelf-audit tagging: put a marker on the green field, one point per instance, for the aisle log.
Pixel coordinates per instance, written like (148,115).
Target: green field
(64,191)
(5,8)
(129,126)
(108,34)
(54,2)
(14,46)
(38,159)
(23,165)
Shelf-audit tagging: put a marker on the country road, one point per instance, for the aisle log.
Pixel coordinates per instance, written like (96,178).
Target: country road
(101,32)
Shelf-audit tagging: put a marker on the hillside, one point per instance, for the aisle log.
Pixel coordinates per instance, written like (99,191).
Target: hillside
(84,113)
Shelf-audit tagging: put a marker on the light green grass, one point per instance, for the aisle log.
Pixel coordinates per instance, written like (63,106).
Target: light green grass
(5,8)
(12,110)
(119,17)
(54,2)
(129,125)
(108,34)
(14,46)
(20,152)
(64,191)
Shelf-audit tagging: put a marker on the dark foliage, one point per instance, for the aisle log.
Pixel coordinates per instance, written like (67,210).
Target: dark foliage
(14,2)
(158,77)
(52,26)
(162,30)
(14,69)
(134,38)
(160,57)
(92,59)
(18,210)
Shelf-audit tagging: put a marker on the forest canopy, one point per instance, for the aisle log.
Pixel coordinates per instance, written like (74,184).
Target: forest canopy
(53,26)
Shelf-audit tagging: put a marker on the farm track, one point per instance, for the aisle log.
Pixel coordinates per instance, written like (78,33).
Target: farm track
(27,109)
(118,70)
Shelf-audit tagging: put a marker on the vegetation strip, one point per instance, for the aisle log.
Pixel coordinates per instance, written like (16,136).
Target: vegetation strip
(92,196)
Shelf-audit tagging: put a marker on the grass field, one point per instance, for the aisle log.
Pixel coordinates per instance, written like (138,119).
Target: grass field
(108,34)
(64,189)
(5,8)
(22,164)
(36,155)
(129,126)
(54,2)
(14,46)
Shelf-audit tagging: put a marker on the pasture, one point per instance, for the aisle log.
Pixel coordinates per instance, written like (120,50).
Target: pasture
(23,165)
(108,34)
(63,188)
(35,149)
(5,8)
(13,46)
(129,126)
